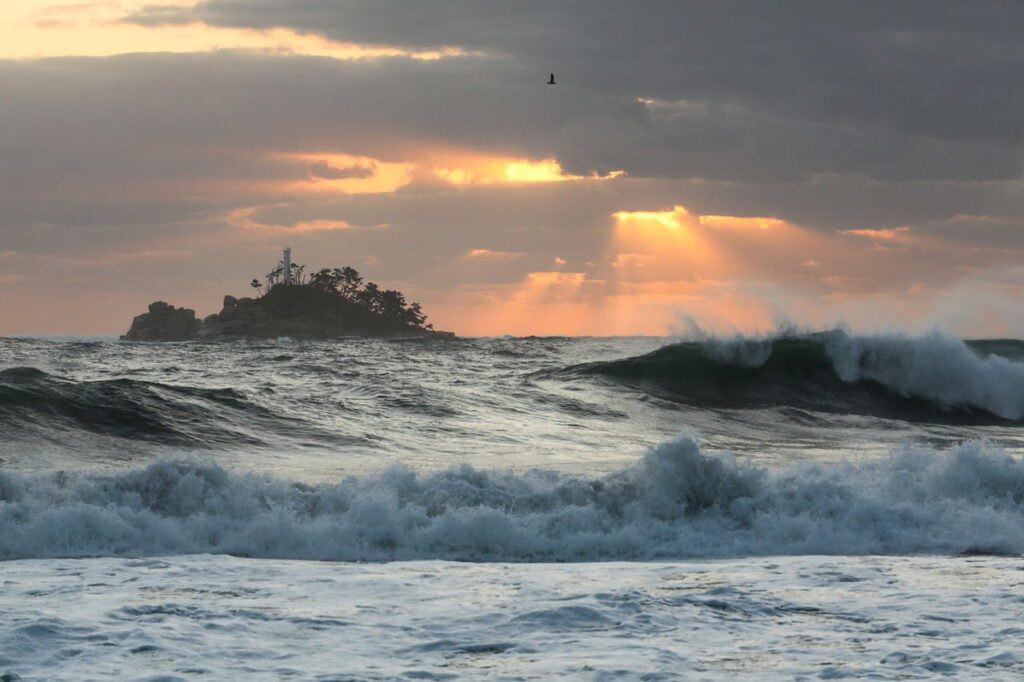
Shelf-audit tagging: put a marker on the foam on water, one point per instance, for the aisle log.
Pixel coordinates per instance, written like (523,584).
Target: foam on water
(218,617)
(934,366)
(933,377)
(675,502)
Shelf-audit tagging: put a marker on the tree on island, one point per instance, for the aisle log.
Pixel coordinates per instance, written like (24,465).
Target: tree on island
(276,276)
(348,285)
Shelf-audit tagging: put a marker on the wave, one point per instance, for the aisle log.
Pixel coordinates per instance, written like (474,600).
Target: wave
(40,404)
(926,378)
(675,502)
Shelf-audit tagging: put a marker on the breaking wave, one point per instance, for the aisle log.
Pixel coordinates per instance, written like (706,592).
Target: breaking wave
(927,378)
(675,502)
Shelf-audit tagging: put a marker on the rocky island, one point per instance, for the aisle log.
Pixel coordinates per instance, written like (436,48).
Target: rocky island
(330,303)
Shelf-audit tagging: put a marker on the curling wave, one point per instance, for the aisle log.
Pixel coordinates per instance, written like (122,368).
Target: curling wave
(35,402)
(927,378)
(674,502)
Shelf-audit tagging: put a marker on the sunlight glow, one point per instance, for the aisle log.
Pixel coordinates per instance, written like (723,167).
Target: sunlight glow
(663,244)
(33,29)
(347,174)
(546,170)
(893,234)
(467,169)
(728,222)
(669,219)
(248,219)
(489,255)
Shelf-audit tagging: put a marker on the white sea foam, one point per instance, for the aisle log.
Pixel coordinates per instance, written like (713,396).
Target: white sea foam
(934,366)
(675,502)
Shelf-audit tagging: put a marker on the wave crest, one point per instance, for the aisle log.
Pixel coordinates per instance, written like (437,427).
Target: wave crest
(675,502)
(925,378)
(936,367)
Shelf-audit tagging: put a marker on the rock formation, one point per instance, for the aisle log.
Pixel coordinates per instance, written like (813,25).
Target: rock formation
(164,322)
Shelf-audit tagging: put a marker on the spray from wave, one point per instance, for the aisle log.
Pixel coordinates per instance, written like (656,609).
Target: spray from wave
(933,377)
(935,367)
(675,502)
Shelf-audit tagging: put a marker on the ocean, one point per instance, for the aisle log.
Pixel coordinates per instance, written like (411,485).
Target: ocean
(793,506)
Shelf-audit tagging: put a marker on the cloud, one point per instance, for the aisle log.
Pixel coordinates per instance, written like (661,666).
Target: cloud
(49,28)
(221,129)
(890,234)
(322,169)
(775,129)
(489,255)
(821,87)
(161,15)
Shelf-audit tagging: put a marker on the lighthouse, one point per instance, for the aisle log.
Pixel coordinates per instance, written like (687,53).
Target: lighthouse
(286,265)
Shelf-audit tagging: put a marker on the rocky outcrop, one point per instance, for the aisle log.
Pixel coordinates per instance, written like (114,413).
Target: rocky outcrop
(164,322)
(238,318)
(299,312)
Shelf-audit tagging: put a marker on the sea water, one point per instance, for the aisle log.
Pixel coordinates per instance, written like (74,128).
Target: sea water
(797,506)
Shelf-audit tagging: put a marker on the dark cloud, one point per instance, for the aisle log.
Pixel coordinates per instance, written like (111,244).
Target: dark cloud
(937,68)
(742,90)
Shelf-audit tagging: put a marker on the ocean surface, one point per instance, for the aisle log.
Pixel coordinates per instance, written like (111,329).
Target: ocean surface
(794,506)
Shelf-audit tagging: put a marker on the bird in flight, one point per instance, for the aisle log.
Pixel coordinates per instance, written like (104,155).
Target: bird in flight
(551,81)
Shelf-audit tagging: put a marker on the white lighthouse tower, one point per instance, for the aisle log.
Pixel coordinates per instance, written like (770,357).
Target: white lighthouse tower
(286,265)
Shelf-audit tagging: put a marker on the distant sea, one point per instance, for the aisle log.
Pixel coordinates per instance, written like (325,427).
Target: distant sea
(797,505)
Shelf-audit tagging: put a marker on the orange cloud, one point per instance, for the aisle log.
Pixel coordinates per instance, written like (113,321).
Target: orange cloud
(728,222)
(893,234)
(346,174)
(489,255)
(322,172)
(244,219)
(465,169)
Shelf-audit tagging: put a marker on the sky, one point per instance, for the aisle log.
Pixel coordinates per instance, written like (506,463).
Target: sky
(730,165)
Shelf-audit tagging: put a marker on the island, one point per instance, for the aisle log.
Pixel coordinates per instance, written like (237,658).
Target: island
(329,303)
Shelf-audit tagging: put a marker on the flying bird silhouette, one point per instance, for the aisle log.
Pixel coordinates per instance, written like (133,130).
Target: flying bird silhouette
(551,81)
